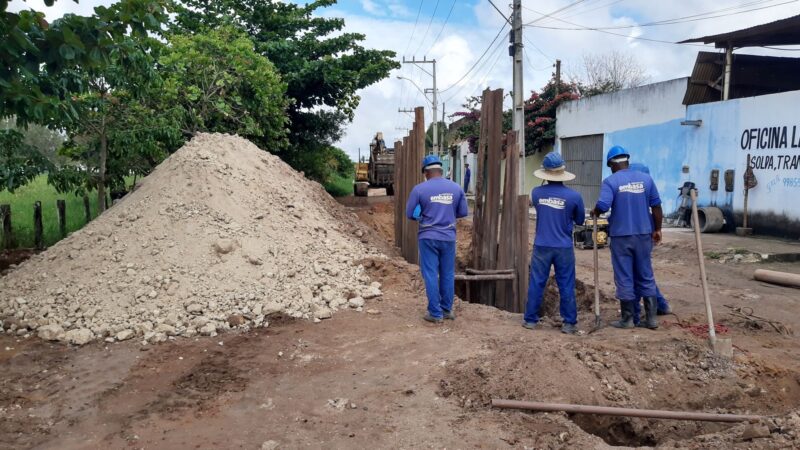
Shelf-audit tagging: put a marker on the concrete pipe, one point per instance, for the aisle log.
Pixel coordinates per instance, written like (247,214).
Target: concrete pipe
(711,219)
(775,277)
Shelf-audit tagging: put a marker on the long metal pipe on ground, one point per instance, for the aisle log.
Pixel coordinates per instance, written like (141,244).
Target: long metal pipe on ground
(627,412)
(775,277)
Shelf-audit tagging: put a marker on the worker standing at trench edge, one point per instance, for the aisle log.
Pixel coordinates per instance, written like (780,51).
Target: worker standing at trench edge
(557,209)
(632,197)
(467,177)
(663,304)
(436,204)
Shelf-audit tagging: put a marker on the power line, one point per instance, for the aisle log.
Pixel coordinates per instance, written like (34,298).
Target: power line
(414,30)
(582,12)
(582,28)
(478,60)
(554,12)
(443,25)
(677,20)
(496,53)
(499,12)
(538,49)
(433,16)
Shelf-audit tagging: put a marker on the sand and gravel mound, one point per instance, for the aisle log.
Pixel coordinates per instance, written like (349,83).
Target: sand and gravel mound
(220,235)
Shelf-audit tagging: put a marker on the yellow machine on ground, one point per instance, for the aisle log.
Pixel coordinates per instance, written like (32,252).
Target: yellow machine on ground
(582,234)
(378,172)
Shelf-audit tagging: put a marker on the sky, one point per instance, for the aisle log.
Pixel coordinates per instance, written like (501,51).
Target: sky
(457,33)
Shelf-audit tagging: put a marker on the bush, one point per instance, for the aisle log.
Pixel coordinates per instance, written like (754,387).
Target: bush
(339,186)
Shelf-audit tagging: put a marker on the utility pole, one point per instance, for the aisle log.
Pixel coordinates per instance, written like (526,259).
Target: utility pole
(558,76)
(445,150)
(519,106)
(434,92)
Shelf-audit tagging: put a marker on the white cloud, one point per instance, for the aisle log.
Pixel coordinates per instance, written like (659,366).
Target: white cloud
(372,8)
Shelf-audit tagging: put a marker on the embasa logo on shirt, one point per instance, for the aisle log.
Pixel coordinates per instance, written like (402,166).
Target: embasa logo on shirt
(445,199)
(634,187)
(553,202)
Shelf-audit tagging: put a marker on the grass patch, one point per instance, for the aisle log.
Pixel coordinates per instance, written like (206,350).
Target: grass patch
(339,186)
(22,200)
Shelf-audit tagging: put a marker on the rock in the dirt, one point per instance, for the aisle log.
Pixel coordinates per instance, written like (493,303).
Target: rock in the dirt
(755,431)
(356,302)
(270,445)
(235,320)
(51,333)
(322,312)
(224,246)
(81,336)
(208,329)
(371,292)
(194,308)
(124,335)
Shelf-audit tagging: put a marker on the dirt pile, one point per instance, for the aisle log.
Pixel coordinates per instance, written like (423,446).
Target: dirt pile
(220,235)
(652,376)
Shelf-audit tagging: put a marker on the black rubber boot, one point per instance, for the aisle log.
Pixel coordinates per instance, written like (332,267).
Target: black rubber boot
(626,316)
(650,312)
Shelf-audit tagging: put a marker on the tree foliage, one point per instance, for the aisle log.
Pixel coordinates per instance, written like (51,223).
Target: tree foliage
(610,72)
(19,162)
(220,84)
(322,65)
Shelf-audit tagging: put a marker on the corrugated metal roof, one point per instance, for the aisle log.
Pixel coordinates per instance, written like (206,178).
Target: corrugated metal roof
(751,75)
(781,32)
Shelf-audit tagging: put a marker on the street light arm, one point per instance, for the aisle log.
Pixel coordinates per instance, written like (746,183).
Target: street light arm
(416,86)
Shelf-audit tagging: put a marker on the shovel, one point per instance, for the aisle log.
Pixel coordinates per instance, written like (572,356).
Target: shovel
(723,347)
(597,322)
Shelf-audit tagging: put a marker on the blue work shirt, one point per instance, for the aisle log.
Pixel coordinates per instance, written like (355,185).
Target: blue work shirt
(442,202)
(629,195)
(557,208)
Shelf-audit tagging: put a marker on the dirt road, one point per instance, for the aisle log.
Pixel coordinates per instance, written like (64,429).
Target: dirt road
(383,378)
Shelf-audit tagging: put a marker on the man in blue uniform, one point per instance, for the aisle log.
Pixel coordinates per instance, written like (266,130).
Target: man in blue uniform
(436,204)
(557,209)
(632,197)
(663,304)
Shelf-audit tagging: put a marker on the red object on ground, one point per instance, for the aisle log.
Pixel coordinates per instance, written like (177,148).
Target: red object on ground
(701,330)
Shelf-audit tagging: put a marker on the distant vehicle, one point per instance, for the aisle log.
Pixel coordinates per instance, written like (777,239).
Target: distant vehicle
(378,172)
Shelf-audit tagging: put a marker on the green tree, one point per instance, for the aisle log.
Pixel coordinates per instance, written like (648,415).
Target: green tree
(323,66)
(19,162)
(540,114)
(43,140)
(220,84)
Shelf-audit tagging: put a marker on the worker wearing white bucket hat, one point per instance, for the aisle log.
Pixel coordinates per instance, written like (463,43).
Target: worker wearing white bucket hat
(557,209)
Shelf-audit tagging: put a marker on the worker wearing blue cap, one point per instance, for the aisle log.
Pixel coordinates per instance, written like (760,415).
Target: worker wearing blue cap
(436,204)
(557,209)
(663,305)
(632,197)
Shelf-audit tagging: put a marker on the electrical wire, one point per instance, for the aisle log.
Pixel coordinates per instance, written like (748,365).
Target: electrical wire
(502,28)
(537,49)
(495,53)
(575,3)
(582,28)
(585,11)
(435,40)
(414,30)
(693,18)
(428,29)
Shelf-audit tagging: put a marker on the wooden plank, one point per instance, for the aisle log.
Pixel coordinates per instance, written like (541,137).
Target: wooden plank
(491,207)
(8,237)
(506,242)
(419,153)
(61,208)
(404,195)
(523,253)
(399,201)
(38,227)
(489,272)
(480,167)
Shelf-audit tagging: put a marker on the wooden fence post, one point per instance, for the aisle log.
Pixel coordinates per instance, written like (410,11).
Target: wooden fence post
(523,252)
(399,201)
(61,206)
(37,226)
(87,211)
(8,238)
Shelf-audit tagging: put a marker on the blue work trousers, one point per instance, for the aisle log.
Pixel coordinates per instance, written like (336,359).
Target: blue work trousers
(437,261)
(633,269)
(563,259)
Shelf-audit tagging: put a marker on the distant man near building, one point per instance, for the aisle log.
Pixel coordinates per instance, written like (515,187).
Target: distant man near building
(436,204)
(557,209)
(663,305)
(632,197)
(467,177)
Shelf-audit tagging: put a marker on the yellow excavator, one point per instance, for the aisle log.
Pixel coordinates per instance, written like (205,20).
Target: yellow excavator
(378,172)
